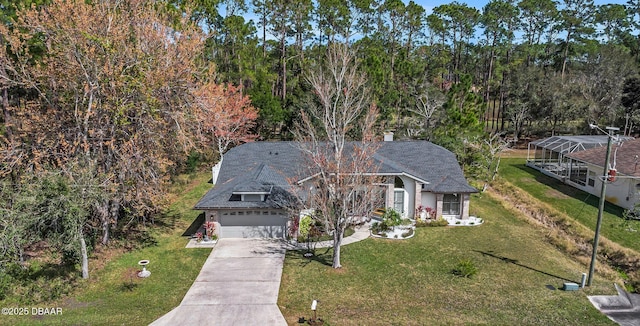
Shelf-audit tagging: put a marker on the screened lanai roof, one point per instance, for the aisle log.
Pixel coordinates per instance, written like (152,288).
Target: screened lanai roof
(570,144)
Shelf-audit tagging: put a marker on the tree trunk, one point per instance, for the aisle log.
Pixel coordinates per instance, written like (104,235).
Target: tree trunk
(565,55)
(337,242)
(264,36)
(626,124)
(5,112)
(284,80)
(489,74)
(85,257)
(105,231)
(103,213)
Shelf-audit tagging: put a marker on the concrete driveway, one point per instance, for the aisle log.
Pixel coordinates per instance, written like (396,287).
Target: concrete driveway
(238,285)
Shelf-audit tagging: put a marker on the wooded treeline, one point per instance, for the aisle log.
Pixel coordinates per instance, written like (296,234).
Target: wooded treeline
(104,101)
(539,65)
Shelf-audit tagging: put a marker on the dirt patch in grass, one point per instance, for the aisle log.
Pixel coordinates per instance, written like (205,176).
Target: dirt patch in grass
(556,194)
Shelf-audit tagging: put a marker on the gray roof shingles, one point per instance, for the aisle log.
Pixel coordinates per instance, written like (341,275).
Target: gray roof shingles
(274,165)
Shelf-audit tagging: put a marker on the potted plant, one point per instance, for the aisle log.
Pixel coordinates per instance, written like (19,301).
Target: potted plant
(421,212)
(199,237)
(210,228)
(429,212)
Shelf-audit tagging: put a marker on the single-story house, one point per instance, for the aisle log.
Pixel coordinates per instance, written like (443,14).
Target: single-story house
(548,155)
(586,170)
(255,180)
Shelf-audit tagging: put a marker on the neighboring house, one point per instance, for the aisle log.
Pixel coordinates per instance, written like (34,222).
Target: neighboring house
(586,168)
(548,155)
(256,180)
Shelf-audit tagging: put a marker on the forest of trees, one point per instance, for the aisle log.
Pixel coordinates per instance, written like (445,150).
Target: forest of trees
(538,65)
(103,101)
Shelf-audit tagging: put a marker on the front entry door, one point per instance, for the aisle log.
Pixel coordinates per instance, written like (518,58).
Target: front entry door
(399,201)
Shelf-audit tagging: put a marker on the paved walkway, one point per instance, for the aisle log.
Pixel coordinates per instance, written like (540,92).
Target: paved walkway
(361,232)
(239,283)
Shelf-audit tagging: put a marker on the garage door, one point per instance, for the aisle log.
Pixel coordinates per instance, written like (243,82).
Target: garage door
(253,224)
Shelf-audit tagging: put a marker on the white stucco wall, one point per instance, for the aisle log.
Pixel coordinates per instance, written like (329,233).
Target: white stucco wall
(410,200)
(429,200)
(621,192)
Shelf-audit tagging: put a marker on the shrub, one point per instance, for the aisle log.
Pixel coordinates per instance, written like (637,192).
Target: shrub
(421,223)
(405,221)
(305,226)
(434,223)
(379,227)
(439,222)
(391,218)
(465,268)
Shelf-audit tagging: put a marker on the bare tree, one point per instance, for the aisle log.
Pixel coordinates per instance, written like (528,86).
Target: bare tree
(490,148)
(429,100)
(342,179)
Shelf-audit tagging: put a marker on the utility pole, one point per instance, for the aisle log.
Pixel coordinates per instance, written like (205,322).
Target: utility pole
(603,190)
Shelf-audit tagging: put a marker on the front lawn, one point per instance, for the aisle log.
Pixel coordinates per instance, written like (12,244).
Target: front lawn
(579,205)
(410,282)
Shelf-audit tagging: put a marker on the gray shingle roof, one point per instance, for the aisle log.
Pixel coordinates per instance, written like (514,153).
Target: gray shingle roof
(258,166)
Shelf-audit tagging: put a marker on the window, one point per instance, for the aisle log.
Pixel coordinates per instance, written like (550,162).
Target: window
(398,201)
(451,204)
(252,197)
(591,179)
(235,197)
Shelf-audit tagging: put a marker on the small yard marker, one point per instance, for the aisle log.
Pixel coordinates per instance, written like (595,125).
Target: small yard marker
(315,320)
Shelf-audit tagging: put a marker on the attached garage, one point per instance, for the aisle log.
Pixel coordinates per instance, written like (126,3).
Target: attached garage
(252,224)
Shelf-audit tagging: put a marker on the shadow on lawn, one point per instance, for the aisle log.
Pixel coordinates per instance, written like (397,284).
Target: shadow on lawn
(323,258)
(515,262)
(570,191)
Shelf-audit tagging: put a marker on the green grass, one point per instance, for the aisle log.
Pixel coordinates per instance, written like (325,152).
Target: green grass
(410,282)
(579,205)
(110,298)
(383,282)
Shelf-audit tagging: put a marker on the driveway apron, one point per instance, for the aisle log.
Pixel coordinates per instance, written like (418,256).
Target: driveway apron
(238,285)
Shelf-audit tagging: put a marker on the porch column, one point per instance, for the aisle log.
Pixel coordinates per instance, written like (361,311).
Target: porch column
(439,198)
(465,206)
(418,198)
(389,202)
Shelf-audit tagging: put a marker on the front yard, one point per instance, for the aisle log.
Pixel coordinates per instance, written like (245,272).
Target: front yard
(409,282)
(383,282)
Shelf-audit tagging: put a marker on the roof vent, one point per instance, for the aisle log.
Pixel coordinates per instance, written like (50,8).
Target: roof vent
(388,136)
